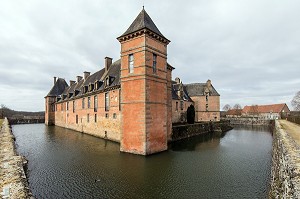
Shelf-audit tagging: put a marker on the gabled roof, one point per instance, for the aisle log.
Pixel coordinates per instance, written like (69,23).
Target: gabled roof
(234,112)
(197,89)
(58,88)
(143,20)
(274,108)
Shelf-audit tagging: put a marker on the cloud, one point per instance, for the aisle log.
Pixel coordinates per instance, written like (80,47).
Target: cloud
(249,49)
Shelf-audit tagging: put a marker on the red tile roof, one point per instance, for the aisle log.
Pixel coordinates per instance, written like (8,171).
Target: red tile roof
(234,112)
(274,108)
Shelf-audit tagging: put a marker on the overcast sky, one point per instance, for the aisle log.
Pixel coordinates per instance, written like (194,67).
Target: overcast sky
(249,49)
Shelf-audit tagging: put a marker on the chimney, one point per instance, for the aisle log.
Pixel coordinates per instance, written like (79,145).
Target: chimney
(180,90)
(54,79)
(72,82)
(177,80)
(79,78)
(86,74)
(108,62)
(208,84)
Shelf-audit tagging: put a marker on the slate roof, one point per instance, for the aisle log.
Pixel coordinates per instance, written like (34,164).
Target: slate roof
(113,74)
(175,89)
(274,108)
(58,88)
(143,20)
(197,89)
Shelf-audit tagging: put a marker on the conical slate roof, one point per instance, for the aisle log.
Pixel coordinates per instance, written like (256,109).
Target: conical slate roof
(143,20)
(58,88)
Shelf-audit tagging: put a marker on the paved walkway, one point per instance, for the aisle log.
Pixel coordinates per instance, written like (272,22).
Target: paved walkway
(292,129)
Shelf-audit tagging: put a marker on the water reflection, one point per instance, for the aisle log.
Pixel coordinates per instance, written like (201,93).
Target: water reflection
(197,142)
(64,164)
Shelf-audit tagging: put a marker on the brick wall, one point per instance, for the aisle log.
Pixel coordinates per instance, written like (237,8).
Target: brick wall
(144,122)
(212,113)
(178,112)
(97,122)
(49,111)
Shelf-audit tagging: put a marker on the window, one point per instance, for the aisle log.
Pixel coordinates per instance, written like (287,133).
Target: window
(76,119)
(131,63)
(89,102)
(206,107)
(95,103)
(83,99)
(154,63)
(206,97)
(106,101)
(106,115)
(176,106)
(67,106)
(181,105)
(95,117)
(88,118)
(115,116)
(73,106)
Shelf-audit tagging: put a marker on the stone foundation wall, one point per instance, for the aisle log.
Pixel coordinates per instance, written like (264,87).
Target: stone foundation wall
(285,175)
(188,130)
(248,121)
(13,181)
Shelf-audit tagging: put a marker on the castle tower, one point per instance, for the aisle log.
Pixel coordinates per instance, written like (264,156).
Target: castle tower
(145,88)
(50,100)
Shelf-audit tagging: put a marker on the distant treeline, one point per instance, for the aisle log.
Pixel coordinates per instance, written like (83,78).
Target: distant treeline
(12,114)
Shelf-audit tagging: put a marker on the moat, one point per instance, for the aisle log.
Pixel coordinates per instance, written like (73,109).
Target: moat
(68,164)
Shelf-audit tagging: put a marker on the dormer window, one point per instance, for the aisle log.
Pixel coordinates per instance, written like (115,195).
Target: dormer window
(96,85)
(107,81)
(91,87)
(85,89)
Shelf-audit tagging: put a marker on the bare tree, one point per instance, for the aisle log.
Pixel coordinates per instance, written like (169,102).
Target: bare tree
(237,106)
(296,101)
(227,107)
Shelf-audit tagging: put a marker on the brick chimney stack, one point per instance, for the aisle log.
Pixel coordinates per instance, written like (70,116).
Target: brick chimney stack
(79,78)
(177,80)
(54,79)
(208,84)
(72,82)
(85,75)
(107,63)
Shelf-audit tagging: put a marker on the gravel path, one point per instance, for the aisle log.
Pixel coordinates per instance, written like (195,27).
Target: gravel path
(292,129)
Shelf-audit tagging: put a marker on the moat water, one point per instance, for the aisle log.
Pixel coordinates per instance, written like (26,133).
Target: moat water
(68,164)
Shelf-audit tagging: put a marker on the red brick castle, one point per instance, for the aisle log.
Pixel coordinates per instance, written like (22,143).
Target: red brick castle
(132,100)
